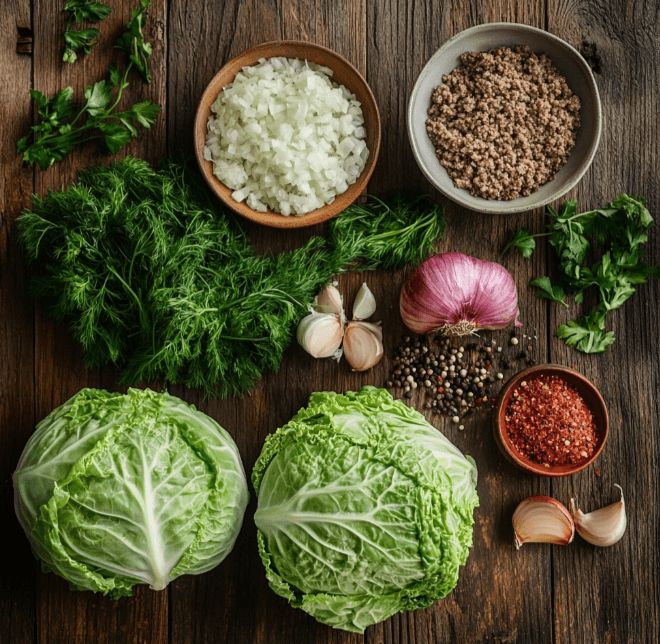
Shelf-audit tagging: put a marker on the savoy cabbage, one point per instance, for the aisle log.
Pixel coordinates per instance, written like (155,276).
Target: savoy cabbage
(365,509)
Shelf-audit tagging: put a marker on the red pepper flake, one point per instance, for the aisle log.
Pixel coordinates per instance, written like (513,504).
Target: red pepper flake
(529,347)
(550,423)
(597,472)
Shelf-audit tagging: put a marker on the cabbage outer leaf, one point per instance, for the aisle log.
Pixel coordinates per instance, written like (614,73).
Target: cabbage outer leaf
(364,509)
(114,490)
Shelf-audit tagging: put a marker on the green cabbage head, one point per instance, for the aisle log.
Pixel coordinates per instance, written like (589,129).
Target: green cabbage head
(365,509)
(115,490)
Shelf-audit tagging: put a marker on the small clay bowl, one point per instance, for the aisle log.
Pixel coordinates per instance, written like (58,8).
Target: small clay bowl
(344,74)
(584,387)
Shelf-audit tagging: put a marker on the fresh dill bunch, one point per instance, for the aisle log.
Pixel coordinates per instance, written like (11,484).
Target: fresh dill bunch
(158,279)
(393,234)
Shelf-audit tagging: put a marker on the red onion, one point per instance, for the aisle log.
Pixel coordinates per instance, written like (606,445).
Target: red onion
(458,294)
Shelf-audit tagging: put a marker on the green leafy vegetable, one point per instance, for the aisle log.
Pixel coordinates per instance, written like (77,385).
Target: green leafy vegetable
(59,131)
(132,41)
(115,490)
(365,510)
(158,279)
(523,240)
(620,229)
(547,290)
(84,39)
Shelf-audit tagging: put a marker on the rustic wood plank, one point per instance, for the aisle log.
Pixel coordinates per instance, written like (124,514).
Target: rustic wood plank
(66,616)
(539,594)
(17,583)
(612,594)
(233,603)
(502,595)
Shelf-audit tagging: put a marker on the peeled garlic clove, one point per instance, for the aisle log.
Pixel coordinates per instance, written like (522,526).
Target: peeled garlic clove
(542,519)
(363,347)
(320,334)
(603,527)
(329,301)
(365,303)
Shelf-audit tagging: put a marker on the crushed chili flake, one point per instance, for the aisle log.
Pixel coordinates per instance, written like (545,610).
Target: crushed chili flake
(550,423)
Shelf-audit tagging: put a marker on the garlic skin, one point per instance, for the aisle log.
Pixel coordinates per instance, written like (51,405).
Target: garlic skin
(603,527)
(320,334)
(542,519)
(364,305)
(363,346)
(329,300)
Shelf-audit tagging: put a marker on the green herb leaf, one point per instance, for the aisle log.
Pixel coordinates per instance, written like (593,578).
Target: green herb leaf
(133,43)
(98,97)
(584,338)
(620,228)
(115,136)
(76,40)
(145,113)
(159,279)
(547,290)
(114,75)
(86,10)
(523,240)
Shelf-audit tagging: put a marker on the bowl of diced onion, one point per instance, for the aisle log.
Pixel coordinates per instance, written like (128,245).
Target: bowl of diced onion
(287,134)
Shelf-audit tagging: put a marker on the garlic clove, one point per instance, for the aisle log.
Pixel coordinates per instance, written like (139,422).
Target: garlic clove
(320,334)
(363,345)
(365,303)
(542,519)
(374,327)
(329,301)
(603,527)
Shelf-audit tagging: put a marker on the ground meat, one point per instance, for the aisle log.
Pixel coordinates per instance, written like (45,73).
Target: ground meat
(503,123)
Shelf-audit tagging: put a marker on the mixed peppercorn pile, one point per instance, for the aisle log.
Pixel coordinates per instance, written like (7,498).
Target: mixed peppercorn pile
(456,379)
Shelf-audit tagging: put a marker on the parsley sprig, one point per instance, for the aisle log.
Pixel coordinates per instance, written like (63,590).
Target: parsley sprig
(62,128)
(620,229)
(85,39)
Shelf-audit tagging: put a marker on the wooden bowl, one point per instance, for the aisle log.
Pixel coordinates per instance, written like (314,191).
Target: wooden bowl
(343,73)
(584,387)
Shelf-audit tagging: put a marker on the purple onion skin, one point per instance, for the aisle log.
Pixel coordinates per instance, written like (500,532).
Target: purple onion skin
(453,291)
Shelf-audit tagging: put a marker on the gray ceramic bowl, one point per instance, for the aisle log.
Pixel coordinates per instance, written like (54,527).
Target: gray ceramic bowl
(484,38)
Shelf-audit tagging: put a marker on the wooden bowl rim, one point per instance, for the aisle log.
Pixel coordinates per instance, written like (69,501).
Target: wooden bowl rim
(501,436)
(269,218)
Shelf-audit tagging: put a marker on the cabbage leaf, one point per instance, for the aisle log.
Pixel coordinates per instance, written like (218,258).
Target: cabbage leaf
(365,509)
(115,490)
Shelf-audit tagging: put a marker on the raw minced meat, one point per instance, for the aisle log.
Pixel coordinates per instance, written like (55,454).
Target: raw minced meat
(503,123)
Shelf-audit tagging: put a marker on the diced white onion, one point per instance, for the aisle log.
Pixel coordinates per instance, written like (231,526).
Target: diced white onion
(285,138)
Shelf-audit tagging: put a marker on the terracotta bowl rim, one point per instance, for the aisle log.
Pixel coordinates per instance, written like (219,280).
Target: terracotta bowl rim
(526,464)
(268,218)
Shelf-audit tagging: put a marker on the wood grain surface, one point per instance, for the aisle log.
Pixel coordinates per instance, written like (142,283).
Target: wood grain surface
(541,594)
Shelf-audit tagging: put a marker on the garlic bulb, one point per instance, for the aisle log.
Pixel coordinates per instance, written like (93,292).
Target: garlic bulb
(542,519)
(363,346)
(458,295)
(329,300)
(603,527)
(320,334)
(365,303)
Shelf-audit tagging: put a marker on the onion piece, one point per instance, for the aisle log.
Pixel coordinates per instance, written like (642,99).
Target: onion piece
(458,294)
(284,137)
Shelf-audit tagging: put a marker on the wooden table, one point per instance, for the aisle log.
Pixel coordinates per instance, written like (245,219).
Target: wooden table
(541,593)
